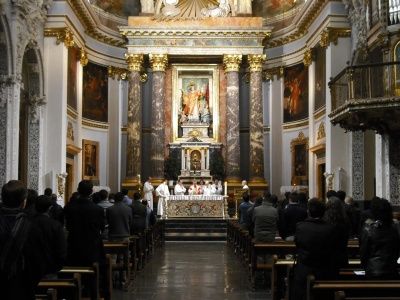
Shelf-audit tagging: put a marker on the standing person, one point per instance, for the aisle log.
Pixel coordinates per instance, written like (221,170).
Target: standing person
(380,243)
(22,261)
(290,216)
(353,214)
(119,219)
(85,223)
(139,212)
(265,218)
(56,211)
(55,244)
(179,188)
(127,200)
(207,189)
(315,243)
(195,189)
(243,210)
(148,190)
(150,217)
(162,191)
(30,209)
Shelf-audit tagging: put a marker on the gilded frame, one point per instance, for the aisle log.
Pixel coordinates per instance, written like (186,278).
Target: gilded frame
(90,160)
(299,148)
(179,73)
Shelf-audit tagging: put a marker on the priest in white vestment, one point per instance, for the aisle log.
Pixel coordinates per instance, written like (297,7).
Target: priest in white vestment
(217,187)
(148,190)
(195,189)
(208,189)
(179,188)
(162,192)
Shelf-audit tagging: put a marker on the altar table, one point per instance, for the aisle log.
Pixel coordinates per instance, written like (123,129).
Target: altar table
(195,206)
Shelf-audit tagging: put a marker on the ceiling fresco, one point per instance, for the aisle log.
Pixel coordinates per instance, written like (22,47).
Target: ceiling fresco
(122,8)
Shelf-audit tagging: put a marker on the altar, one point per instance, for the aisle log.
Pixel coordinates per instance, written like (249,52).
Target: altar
(195,206)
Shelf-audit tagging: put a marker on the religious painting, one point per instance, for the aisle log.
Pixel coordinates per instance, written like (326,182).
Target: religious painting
(119,7)
(320,81)
(90,161)
(95,92)
(195,103)
(274,8)
(73,58)
(299,149)
(295,95)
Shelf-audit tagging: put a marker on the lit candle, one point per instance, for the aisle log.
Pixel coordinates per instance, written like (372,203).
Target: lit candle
(139,178)
(226,188)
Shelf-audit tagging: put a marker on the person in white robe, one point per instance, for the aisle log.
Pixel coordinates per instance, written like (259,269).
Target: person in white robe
(162,191)
(217,187)
(245,187)
(195,189)
(148,190)
(208,189)
(179,188)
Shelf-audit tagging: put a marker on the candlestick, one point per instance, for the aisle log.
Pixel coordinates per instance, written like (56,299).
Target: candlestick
(226,188)
(139,178)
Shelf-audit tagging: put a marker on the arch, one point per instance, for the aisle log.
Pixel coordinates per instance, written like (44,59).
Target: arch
(6,66)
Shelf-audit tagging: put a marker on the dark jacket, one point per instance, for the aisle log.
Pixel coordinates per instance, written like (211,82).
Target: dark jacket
(55,247)
(354,216)
(243,209)
(84,222)
(57,212)
(289,217)
(119,218)
(265,219)
(139,212)
(31,261)
(379,250)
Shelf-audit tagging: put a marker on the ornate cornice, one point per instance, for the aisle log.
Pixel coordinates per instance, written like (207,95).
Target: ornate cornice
(256,62)
(270,73)
(63,35)
(135,62)
(94,124)
(292,125)
(72,113)
(232,62)
(331,35)
(307,58)
(119,73)
(158,62)
(83,57)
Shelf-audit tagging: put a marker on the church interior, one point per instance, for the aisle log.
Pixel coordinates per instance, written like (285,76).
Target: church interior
(255,97)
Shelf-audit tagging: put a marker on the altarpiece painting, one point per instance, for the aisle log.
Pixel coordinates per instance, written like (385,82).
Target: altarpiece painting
(73,58)
(320,75)
(90,161)
(299,149)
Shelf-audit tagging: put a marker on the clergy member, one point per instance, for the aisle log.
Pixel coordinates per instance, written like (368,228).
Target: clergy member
(162,192)
(217,187)
(179,188)
(148,192)
(208,189)
(195,189)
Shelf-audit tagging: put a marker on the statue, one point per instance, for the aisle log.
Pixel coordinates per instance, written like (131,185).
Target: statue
(170,9)
(217,11)
(147,6)
(242,7)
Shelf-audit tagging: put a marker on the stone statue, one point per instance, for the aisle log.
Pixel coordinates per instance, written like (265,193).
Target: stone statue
(147,6)
(217,11)
(170,9)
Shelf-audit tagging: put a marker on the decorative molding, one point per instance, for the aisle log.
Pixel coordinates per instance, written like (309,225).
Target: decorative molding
(318,149)
(319,113)
(296,124)
(321,131)
(70,132)
(232,62)
(71,112)
(62,35)
(256,62)
(94,124)
(307,58)
(119,73)
(331,35)
(35,102)
(269,74)
(83,57)
(72,149)
(61,178)
(158,62)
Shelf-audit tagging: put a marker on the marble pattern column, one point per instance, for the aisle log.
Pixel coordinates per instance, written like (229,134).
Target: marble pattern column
(158,63)
(256,118)
(134,130)
(357,165)
(231,66)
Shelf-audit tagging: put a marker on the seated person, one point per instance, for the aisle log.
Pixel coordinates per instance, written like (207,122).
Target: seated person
(179,188)
(195,189)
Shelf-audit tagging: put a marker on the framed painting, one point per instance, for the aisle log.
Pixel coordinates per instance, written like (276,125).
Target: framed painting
(195,101)
(95,92)
(90,161)
(73,58)
(299,149)
(320,78)
(295,94)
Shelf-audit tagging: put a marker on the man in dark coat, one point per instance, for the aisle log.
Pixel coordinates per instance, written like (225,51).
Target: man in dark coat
(265,218)
(315,242)
(139,213)
(22,263)
(119,218)
(290,216)
(85,223)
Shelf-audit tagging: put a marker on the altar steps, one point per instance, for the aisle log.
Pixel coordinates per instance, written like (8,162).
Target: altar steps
(195,230)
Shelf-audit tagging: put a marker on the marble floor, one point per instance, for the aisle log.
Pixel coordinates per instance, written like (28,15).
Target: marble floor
(192,270)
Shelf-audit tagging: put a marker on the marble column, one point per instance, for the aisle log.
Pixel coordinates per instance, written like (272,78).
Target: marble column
(134,130)
(231,66)
(357,165)
(158,63)
(256,118)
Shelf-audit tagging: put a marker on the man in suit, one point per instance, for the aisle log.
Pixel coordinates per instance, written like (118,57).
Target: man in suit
(265,218)
(85,223)
(139,212)
(315,242)
(119,219)
(290,216)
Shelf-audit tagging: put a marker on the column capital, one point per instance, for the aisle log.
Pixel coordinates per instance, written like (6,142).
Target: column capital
(256,62)
(158,62)
(134,61)
(232,62)
(83,59)
(307,58)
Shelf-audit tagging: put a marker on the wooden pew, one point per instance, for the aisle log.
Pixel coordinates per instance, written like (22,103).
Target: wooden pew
(325,289)
(51,294)
(341,295)
(120,248)
(66,288)
(89,276)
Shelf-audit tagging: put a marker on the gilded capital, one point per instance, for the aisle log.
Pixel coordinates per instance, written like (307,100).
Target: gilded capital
(307,59)
(158,62)
(135,62)
(256,62)
(65,36)
(83,57)
(232,62)
(324,39)
(119,73)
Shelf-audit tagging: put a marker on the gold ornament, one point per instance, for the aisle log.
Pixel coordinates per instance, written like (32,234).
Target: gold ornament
(158,62)
(256,62)
(135,62)
(232,62)
(307,59)
(83,59)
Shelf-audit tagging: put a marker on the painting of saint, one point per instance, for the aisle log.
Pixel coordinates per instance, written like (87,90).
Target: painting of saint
(300,160)
(320,82)
(95,92)
(90,160)
(195,101)
(295,95)
(73,58)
